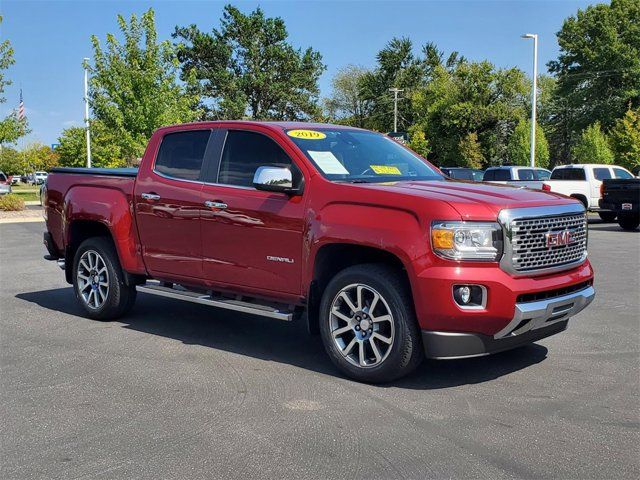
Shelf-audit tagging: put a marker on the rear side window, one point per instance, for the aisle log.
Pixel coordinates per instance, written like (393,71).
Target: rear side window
(601,173)
(542,174)
(620,173)
(244,152)
(3,177)
(181,154)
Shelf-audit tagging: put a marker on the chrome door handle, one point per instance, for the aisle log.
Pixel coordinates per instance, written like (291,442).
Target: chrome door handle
(150,196)
(218,205)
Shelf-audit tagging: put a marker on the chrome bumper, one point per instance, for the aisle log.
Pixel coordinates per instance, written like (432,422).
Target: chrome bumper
(542,313)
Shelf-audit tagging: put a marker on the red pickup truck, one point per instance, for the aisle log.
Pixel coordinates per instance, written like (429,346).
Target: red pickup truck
(340,227)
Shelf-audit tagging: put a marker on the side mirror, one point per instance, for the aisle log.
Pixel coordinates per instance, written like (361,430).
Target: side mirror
(275,179)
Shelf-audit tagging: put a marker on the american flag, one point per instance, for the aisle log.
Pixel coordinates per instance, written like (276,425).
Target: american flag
(21,108)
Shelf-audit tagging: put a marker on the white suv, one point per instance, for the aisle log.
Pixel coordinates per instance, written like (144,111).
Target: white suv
(524,177)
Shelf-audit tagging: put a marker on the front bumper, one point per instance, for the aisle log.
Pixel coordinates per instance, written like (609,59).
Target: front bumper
(532,321)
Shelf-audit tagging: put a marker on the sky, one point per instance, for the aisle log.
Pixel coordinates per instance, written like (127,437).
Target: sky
(50,38)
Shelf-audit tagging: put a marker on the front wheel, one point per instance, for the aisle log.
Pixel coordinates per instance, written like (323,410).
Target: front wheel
(629,222)
(368,325)
(607,216)
(98,280)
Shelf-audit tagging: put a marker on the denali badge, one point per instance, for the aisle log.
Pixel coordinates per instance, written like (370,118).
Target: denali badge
(557,239)
(279,259)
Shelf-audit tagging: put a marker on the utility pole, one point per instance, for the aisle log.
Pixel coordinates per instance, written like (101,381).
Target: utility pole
(86,110)
(395,106)
(534,96)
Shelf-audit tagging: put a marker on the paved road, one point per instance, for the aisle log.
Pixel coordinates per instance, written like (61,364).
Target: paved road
(182,391)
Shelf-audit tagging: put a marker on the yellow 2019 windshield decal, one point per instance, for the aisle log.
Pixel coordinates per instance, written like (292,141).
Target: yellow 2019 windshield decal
(386,169)
(306,134)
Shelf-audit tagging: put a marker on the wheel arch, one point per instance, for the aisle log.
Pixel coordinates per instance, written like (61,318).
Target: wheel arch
(581,198)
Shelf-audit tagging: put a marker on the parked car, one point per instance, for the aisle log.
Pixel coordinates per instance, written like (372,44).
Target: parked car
(39,178)
(622,196)
(5,184)
(461,173)
(523,177)
(15,179)
(582,182)
(339,227)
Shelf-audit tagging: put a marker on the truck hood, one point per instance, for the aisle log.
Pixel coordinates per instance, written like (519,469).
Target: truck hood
(472,199)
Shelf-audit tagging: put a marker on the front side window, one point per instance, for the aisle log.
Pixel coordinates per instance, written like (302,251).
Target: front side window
(601,173)
(502,175)
(543,174)
(620,173)
(360,156)
(244,152)
(181,154)
(525,174)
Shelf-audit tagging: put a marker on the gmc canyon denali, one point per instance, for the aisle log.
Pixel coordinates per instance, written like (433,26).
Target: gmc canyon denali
(343,228)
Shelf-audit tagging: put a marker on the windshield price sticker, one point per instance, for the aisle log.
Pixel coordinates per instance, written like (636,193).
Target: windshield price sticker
(306,134)
(385,169)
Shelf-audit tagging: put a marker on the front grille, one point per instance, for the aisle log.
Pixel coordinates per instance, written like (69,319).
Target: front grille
(529,250)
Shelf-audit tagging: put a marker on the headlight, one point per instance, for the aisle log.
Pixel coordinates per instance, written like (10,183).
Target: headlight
(467,240)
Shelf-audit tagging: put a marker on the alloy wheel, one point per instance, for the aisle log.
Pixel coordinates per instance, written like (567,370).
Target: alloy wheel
(93,279)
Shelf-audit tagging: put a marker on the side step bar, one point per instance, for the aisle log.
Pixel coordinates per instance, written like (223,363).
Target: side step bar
(155,288)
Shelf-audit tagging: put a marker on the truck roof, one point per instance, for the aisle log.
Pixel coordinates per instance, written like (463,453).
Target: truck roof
(272,124)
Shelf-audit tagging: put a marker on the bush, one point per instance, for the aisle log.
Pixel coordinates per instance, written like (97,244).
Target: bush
(11,202)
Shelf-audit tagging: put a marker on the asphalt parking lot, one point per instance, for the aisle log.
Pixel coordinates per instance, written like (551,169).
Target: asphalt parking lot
(178,390)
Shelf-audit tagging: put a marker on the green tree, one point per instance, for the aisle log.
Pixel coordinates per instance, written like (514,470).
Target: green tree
(105,151)
(598,69)
(39,157)
(247,68)
(519,146)
(11,127)
(625,139)
(347,104)
(471,151)
(418,141)
(593,146)
(11,162)
(134,87)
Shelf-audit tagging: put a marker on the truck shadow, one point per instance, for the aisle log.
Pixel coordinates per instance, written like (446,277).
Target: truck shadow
(282,342)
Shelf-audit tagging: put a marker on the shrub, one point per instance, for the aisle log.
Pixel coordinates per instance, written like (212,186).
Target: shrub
(11,202)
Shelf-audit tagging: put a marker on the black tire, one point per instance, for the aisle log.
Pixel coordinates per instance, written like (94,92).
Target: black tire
(629,222)
(607,216)
(119,297)
(405,352)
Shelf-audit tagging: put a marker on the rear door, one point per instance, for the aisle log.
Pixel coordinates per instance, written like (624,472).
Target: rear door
(251,239)
(167,197)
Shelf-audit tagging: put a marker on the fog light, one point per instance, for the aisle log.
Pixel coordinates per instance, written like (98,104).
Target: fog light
(465,294)
(470,296)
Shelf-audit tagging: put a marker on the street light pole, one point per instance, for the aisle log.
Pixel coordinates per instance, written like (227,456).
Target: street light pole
(534,96)
(395,106)
(86,110)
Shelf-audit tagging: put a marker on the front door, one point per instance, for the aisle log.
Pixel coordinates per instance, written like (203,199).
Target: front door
(251,238)
(168,204)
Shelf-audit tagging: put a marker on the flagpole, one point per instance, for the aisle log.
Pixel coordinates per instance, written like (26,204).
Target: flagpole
(86,110)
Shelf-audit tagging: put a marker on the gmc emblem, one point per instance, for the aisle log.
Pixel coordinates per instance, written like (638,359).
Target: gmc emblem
(557,239)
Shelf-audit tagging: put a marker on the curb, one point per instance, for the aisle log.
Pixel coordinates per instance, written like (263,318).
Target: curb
(21,220)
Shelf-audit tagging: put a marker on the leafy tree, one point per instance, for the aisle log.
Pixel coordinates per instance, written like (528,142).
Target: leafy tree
(471,151)
(418,141)
(347,103)
(11,127)
(105,150)
(39,157)
(134,87)
(11,162)
(598,68)
(625,139)
(519,146)
(247,68)
(592,146)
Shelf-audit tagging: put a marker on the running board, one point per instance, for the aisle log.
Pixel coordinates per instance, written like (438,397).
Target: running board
(155,288)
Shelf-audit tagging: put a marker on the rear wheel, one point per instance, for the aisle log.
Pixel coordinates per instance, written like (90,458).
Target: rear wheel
(98,280)
(629,222)
(368,325)
(607,216)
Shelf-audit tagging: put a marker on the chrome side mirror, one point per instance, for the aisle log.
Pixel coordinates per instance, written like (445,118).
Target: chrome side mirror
(274,179)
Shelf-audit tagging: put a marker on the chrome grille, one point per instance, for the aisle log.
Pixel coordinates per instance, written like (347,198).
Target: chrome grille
(529,250)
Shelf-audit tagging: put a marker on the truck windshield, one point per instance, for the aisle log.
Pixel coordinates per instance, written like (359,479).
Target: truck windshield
(360,156)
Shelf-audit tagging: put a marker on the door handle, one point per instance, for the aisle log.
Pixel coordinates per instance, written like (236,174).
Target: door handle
(150,196)
(218,205)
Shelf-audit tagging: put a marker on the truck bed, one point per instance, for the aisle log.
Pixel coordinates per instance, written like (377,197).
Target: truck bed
(111,172)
